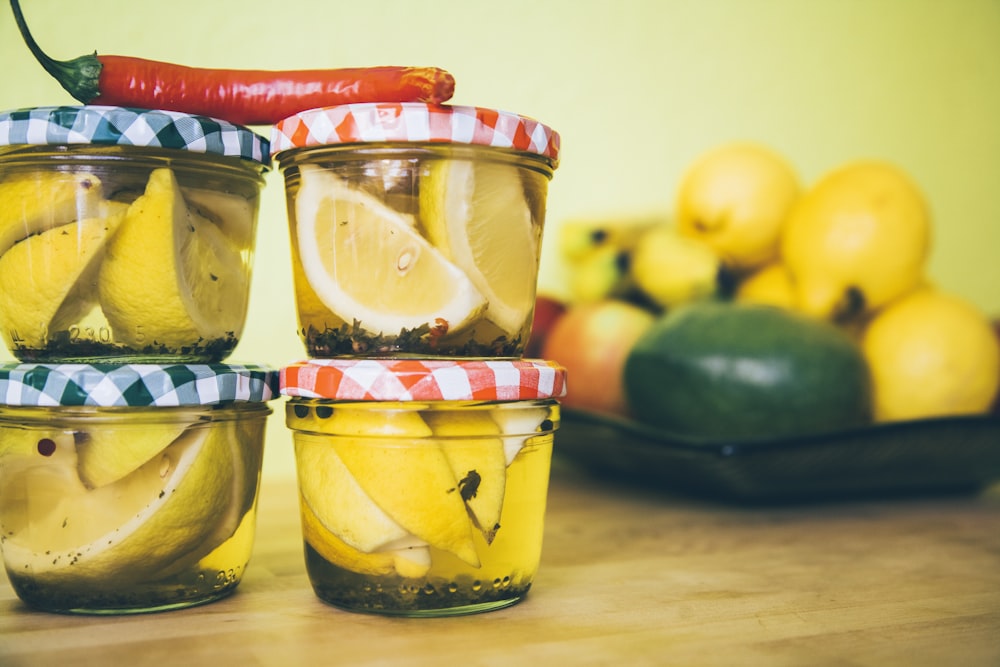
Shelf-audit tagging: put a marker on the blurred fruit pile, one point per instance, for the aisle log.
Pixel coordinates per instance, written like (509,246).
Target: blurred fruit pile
(766,307)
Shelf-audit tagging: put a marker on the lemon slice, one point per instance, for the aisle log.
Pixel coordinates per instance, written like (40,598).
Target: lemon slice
(408,562)
(406,475)
(366,263)
(518,425)
(32,203)
(134,529)
(47,281)
(106,455)
(338,501)
(478,215)
(234,214)
(171,277)
(477,461)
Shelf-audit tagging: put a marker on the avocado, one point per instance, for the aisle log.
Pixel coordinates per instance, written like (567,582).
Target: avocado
(726,370)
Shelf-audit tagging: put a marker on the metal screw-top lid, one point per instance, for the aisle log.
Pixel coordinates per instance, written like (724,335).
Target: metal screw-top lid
(135,385)
(120,126)
(424,380)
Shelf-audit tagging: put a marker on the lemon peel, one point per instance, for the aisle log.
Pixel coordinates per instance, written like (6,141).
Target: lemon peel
(47,280)
(367,264)
(171,277)
(477,213)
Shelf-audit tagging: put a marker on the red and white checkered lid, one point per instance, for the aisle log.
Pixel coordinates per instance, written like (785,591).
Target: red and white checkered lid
(414,122)
(423,379)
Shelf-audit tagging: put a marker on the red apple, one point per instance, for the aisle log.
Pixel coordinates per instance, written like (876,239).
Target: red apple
(592,341)
(547,311)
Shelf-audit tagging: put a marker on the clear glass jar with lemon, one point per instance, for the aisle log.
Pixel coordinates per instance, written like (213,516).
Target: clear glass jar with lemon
(422,483)
(125,235)
(415,229)
(132,488)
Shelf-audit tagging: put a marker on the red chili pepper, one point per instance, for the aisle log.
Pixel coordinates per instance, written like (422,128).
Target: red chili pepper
(245,97)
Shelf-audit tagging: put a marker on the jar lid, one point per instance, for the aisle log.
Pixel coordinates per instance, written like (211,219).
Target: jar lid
(414,122)
(120,126)
(423,380)
(135,385)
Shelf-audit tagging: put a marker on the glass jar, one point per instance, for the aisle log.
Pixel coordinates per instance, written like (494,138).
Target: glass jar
(125,235)
(129,489)
(422,484)
(415,229)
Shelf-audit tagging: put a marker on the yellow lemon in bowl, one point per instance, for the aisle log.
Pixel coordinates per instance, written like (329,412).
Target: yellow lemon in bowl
(736,198)
(931,354)
(858,239)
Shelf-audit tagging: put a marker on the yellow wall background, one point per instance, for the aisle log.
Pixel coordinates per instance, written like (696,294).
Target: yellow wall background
(636,88)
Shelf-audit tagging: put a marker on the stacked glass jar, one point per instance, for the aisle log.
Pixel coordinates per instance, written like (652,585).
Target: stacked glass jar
(423,439)
(130,453)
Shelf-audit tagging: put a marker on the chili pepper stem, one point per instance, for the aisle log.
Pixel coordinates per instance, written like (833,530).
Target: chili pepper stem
(79,76)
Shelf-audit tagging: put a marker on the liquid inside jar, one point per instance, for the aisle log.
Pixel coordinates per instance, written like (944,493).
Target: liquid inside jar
(113,513)
(423,251)
(445,523)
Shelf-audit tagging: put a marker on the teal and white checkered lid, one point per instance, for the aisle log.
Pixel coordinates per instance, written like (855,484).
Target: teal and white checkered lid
(135,385)
(120,126)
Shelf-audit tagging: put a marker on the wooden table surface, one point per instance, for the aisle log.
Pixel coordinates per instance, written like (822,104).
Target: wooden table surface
(628,577)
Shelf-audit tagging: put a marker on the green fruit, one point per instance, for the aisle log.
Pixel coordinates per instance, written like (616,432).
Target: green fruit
(746,371)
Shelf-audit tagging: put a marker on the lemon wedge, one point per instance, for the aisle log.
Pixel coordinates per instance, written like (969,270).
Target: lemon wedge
(136,529)
(234,214)
(518,425)
(171,277)
(478,215)
(47,281)
(106,455)
(34,202)
(406,561)
(406,475)
(367,263)
(478,462)
(338,500)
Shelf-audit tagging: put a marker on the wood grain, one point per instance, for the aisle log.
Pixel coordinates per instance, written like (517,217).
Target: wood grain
(628,576)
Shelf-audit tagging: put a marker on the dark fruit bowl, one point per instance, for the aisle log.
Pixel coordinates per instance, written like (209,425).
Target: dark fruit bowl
(929,456)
